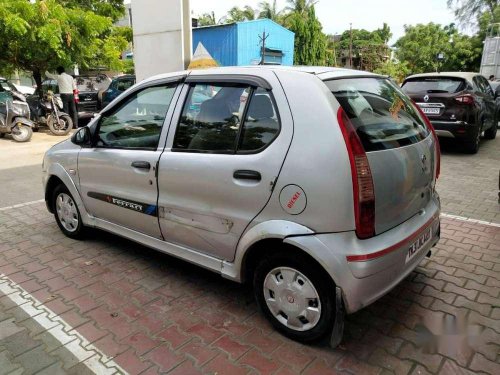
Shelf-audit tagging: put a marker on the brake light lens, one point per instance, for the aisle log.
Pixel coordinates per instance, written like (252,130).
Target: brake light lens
(362,180)
(76,94)
(465,99)
(436,139)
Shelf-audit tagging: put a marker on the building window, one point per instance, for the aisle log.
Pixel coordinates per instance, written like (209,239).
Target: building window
(273,56)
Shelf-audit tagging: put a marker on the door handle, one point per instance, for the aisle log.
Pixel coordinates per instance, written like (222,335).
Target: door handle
(141,165)
(247,175)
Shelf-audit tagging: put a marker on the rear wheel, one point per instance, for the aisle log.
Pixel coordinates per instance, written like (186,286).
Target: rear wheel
(296,296)
(62,127)
(2,135)
(22,133)
(472,145)
(66,213)
(491,133)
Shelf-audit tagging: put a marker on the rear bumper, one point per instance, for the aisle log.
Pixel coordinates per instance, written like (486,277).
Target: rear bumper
(454,129)
(366,270)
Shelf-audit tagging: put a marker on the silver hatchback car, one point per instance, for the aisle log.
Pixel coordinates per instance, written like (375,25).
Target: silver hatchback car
(315,184)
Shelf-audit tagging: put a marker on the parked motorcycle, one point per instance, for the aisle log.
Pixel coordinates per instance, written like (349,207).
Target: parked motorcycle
(14,120)
(47,110)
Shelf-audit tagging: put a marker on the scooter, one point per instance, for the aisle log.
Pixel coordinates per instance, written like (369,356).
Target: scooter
(14,120)
(48,111)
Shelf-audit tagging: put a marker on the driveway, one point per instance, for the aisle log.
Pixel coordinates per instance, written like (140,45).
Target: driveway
(21,167)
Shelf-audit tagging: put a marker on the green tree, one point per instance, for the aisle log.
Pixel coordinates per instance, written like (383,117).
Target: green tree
(236,14)
(42,34)
(421,44)
(207,19)
(467,10)
(270,10)
(397,70)
(310,41)
(114,9)
(369,48)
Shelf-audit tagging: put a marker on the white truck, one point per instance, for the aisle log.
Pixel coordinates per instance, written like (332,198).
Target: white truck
(490,62)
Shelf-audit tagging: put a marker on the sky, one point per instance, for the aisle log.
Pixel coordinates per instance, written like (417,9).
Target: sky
(335,15)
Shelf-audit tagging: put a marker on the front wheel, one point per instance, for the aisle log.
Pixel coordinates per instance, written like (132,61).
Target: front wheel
(296,296)
(62,127)
(66,213)
(22,133)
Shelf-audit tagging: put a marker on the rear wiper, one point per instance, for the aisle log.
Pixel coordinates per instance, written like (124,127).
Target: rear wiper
(437,92)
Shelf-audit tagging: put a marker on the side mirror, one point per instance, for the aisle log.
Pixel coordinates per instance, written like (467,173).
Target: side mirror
(83,137)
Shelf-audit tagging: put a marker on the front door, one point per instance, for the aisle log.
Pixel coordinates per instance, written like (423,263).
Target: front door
(218,169)
(118,175)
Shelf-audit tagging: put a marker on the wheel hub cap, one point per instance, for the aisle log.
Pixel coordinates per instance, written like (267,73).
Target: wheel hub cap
(67,212)
(292,298)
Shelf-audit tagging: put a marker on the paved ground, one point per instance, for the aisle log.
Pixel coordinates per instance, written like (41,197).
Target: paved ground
(108,305)
(151,312)
(21,168)
(469,183)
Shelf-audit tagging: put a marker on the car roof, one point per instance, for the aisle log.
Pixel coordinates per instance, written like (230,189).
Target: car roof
(465,75)
(324,73)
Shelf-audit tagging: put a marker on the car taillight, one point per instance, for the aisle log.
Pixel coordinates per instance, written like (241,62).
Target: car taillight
(465,99)
(76,94)
(436,139)
(362,181)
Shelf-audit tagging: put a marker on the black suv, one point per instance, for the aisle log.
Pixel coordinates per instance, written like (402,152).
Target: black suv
(460,105)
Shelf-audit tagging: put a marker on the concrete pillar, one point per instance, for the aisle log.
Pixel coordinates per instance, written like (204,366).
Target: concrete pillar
(162,36)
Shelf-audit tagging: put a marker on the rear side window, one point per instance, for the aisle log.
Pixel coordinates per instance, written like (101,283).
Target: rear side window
(226,118)
(431,85)
(384,117)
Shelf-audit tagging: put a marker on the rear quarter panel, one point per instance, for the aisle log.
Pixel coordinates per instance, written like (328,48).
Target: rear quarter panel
(317,160)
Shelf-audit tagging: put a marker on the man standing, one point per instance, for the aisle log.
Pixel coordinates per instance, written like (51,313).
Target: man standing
(66,85)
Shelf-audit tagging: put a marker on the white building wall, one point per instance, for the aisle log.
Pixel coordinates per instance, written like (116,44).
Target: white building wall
(162,36)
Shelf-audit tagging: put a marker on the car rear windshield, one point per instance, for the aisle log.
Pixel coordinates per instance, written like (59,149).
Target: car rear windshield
(431,85)
(384,117)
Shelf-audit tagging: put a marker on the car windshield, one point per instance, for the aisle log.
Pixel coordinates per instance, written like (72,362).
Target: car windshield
(430,85)
(384,117)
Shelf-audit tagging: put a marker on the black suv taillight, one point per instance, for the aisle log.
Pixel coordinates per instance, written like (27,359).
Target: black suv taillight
(362,181)
(465,99)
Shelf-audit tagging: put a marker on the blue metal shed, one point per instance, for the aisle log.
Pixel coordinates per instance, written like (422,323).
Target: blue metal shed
(239,43)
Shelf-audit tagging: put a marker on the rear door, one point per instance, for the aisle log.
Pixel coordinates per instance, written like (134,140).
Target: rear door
(221,160)
(487,99)
(399,147)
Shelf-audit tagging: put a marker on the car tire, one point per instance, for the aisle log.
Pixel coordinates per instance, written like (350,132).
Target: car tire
(67,214)
(2,135)
(287,285)
(471,145)
(491,133)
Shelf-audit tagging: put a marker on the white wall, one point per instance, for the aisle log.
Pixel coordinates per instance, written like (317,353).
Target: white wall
(162,36)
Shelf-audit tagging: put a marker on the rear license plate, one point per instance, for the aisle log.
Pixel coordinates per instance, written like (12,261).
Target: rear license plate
(419,244)
(431,111)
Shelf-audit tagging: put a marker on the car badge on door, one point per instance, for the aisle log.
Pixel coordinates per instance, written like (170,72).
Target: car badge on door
(426,98)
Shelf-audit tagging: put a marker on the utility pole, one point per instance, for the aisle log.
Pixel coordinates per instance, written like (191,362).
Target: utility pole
(350,47)
(263,39)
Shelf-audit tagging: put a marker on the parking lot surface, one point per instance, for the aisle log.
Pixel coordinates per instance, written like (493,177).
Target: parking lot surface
(108,305)
(469,183)
(21,167)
